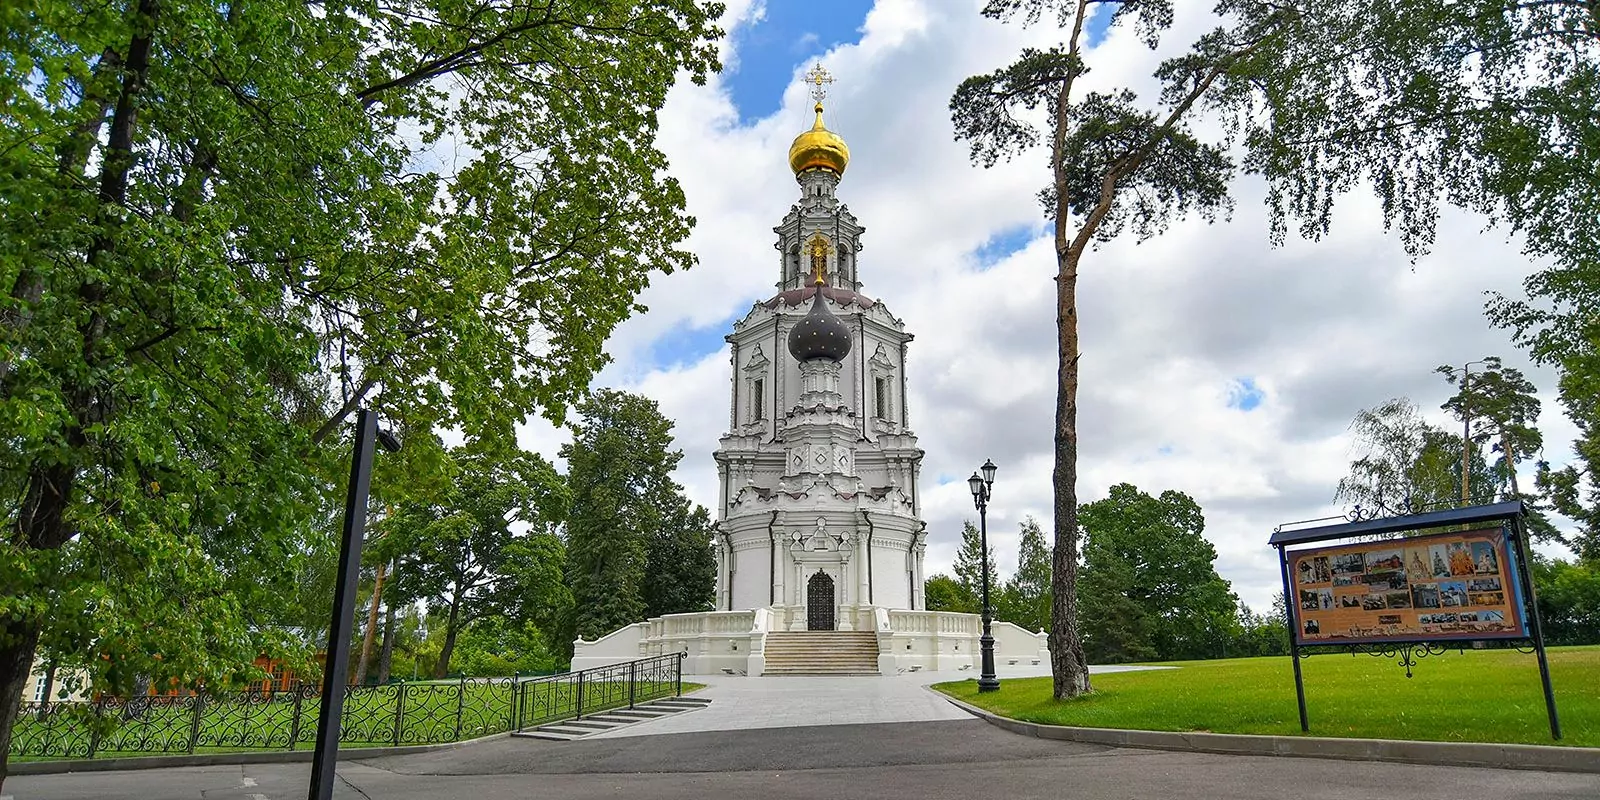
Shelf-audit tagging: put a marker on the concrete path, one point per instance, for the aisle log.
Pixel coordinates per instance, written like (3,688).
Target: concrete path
(740,703)
(954,760)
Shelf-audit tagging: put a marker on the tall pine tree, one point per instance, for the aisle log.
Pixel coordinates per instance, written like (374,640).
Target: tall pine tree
(1027,594)
(1118,165)
(969,565)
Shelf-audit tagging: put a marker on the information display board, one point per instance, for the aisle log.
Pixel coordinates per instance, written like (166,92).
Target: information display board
(1441,586)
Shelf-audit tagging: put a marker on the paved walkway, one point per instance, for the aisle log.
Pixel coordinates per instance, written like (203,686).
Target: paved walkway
(958,760)
(782,738)
(740,703)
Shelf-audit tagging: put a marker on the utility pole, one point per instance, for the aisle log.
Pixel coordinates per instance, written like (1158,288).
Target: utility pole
(1466,431)
(1466,434)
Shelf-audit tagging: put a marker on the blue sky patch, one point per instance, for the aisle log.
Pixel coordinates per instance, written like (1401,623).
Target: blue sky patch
(685,345)
(787,36)
(1003,244)
(1099,25)
(1164,450)
(1243,394)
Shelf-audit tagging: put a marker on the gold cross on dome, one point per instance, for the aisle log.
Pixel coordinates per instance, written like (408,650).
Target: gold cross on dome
(819,79)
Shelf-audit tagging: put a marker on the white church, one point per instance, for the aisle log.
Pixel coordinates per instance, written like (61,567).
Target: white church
(819,538)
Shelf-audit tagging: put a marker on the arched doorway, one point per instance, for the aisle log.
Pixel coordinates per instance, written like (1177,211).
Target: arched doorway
(819,602)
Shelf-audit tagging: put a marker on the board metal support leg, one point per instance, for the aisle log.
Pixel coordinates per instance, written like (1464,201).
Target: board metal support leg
(1294,649)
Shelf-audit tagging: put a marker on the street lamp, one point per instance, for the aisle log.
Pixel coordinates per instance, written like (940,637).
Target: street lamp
(987,682)
(336,665)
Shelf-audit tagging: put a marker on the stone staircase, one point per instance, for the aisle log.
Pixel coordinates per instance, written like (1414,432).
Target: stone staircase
(821,653)
(600,721)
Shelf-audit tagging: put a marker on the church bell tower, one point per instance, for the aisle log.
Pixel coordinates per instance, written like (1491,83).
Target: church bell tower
(818,518)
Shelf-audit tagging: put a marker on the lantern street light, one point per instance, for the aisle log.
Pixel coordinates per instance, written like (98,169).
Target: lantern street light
(987,682)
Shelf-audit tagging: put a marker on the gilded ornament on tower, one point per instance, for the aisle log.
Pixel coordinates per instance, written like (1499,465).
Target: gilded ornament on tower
(819,148)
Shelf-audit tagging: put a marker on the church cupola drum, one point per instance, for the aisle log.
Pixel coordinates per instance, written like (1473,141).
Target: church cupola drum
(819,537)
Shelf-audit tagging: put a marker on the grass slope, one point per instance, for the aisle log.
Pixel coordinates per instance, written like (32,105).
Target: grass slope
(1475,696)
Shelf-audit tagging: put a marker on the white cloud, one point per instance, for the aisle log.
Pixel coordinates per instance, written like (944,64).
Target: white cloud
(1323,329)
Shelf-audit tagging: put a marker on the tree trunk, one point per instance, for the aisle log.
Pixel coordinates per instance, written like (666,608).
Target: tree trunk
(41,519)
(49,686)
(72,157)
(450,629)
(16,662)
(386,653)
(372,628)
(1068,667)
(1511,464)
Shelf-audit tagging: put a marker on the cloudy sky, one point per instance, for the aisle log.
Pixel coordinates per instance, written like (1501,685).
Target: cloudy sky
(1213,363)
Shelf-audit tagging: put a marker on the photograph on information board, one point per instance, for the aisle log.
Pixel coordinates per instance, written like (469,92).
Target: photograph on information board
(1421,588)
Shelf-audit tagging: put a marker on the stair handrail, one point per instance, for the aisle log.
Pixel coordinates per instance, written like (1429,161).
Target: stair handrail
(569,674)
(547,698)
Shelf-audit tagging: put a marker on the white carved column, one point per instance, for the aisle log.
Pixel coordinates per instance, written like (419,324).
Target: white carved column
(797,620)
(863,558)
(733,399)
(920,602)
(780,572)
(722,572)
(843,618)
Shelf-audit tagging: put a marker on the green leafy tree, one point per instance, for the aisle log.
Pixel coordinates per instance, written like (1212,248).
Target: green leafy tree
(1574,490)
(1484,106)
(680,572)
(464,554)
(1116,166)
(620,463)
(1149,569)
(226,229)
(944,593)
(1260,634)
(1406,464)
(1569,600)
(1488,107)
(969,565)
(495,646)
(1026,600)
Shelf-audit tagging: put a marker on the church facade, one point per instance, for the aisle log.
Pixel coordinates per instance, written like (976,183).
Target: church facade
(818,516)
(819,530)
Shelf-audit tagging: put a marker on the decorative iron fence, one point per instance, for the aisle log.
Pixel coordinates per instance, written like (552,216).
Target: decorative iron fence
(540,701)
(395,714)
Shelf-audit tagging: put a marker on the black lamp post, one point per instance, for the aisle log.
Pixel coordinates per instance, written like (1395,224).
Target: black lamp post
(987,682)
(336,665)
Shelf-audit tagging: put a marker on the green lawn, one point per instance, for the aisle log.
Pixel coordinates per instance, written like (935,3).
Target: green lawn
(1475,696)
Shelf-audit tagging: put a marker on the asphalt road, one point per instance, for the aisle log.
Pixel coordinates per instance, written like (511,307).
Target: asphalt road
(912,760)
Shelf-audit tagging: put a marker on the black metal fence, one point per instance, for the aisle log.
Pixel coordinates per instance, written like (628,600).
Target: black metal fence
(541,701)
(392,715)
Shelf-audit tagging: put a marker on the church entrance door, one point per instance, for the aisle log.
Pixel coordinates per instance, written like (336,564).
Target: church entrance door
(819,603)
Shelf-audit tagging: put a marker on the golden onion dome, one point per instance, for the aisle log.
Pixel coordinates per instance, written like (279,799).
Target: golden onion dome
(819,148)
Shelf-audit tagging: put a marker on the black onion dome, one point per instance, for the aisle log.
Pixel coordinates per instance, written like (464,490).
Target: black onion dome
(820,334)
